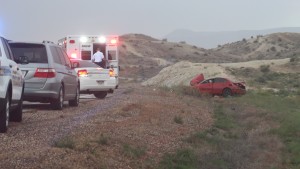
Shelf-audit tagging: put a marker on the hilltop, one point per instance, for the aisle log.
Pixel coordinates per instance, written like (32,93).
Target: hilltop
(143,57)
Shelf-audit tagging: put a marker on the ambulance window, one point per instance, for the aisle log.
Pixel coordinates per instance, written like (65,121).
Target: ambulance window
(112,55)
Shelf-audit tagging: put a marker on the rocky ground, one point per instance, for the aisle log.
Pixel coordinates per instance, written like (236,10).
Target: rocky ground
(131,128)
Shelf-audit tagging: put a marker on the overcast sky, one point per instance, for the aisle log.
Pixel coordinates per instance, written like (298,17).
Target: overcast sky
(35,20)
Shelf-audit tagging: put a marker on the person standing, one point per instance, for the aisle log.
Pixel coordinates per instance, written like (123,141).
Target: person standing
(98,58)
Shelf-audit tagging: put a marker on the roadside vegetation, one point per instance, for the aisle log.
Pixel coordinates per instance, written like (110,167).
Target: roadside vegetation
(258,130)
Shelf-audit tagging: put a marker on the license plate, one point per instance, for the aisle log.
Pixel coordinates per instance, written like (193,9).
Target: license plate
(100,82)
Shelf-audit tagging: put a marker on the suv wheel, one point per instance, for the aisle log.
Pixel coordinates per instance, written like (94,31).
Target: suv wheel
(100,95)
(58,103)
(75,102)
(16,115)
(4,114)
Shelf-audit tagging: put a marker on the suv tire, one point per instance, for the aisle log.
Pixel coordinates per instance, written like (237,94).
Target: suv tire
(16,115)
(75,102)
(4,114)
(58,103)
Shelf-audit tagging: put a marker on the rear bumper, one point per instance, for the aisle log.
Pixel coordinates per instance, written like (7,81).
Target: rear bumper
(49,92)
(94,85)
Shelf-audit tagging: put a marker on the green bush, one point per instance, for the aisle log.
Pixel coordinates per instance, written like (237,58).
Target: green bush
(182,159)
(65,142)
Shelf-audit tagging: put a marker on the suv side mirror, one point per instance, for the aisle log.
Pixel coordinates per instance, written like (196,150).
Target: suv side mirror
(75,65)
(23,60)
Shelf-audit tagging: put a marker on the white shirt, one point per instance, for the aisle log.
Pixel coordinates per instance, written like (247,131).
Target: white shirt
(98,56)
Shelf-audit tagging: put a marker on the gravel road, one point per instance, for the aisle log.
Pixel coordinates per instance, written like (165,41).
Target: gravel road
(42,126)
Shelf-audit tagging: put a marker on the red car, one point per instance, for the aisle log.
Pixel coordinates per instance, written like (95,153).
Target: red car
(218,86)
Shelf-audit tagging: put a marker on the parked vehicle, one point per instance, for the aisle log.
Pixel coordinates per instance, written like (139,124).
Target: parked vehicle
(49,75)
(218,86)
(94,79)
(11,87)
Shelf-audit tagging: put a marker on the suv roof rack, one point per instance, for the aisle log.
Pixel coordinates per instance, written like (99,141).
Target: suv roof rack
(46,41)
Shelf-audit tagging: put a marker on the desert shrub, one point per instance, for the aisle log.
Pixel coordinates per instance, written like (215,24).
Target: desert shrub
(133,152)
(103,140)
(184,158)
(273,48)
(182,42)
(196,53)
(65,142)
(178,120)
(186,90)
(165,40)
(265,68)
(294,59)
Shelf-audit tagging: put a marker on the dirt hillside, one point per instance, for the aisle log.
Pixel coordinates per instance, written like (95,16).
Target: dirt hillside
(181,73)
(143,57)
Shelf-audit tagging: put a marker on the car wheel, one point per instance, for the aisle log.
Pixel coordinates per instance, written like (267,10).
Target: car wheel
(100,95)
(75,102)
(16,115)
(58,103)
(4,114)
(226,92)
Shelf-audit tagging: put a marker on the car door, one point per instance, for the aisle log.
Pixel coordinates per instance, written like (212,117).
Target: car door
(16,73)
(71,76)
(205,86)
(218,85)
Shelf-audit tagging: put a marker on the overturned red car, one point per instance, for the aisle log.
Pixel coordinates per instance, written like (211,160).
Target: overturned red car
(218,86)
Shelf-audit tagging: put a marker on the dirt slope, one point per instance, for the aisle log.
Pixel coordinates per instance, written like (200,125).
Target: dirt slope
(181,73)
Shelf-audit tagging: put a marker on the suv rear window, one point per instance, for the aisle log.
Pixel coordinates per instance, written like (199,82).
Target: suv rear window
(36,53)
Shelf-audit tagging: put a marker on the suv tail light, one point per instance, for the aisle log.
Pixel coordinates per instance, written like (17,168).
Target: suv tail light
(44,73)
(82,73)
(111,73)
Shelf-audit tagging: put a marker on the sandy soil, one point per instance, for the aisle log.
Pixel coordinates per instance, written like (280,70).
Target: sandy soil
(181,73)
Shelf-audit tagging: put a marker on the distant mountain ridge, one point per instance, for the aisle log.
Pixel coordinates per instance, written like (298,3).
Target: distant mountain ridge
(213,39)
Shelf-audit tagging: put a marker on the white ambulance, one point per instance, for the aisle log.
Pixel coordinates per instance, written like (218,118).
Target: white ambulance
(83,47)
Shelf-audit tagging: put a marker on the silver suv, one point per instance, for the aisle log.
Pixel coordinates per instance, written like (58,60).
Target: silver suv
(11,87)
(49,75)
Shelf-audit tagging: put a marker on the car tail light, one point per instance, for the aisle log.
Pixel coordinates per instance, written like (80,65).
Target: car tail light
(111,72)
(72,41)
(82,73)
(44,73)
(74,55)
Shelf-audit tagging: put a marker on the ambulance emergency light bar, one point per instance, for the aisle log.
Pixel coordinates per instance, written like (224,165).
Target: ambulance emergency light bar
(101,39)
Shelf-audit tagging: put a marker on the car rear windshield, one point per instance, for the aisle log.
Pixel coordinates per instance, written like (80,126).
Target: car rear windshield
(83,63)
(36,53)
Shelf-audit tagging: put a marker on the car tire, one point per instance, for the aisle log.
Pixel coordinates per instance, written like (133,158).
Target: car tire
(75,102)
(4,114)
(226,92)
(58,103)
(100,95)
(16,115)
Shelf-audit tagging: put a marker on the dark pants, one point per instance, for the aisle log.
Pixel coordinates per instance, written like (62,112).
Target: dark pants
(102,64)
